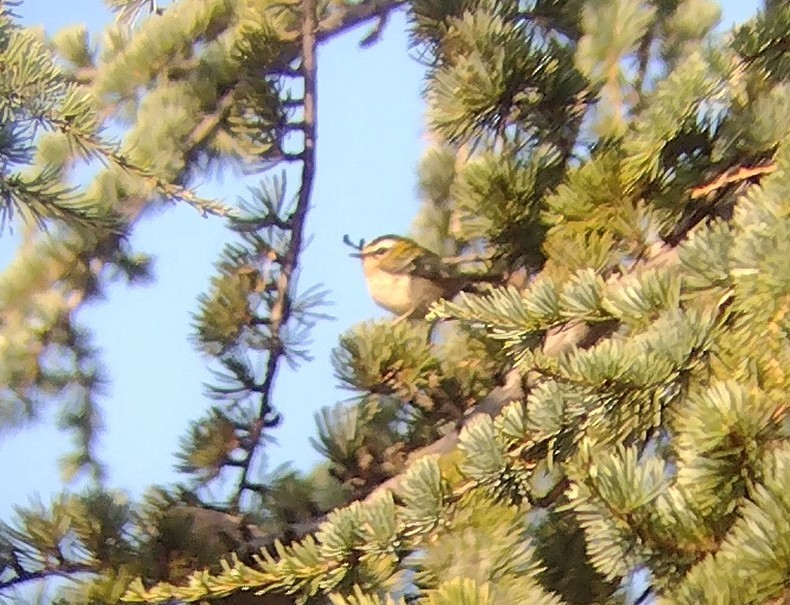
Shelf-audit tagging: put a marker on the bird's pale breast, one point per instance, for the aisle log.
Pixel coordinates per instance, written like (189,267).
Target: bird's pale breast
(402,293)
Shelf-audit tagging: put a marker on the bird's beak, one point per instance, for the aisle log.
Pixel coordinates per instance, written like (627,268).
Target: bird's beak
(356,255)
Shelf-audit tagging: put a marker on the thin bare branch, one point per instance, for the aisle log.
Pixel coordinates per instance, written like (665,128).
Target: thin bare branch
(733,175)
(281,310)
(63,569)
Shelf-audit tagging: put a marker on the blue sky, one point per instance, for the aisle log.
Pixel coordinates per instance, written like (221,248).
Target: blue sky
(370,139)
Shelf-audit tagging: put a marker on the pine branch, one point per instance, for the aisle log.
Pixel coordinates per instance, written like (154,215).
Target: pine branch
(338,22)
(95,145)
(559,339)
(282,308)
(562,338)
(495,452)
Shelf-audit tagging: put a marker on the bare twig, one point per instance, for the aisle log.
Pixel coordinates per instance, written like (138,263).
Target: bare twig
(373,36)
(352,15)
(736,174)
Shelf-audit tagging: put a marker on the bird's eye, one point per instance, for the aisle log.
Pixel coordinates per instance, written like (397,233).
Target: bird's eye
(380,251)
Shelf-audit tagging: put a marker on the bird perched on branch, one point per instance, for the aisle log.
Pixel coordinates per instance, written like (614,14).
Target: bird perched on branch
(405,278)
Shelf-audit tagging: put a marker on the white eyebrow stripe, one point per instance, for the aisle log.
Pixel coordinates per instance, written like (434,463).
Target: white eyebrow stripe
(381,247)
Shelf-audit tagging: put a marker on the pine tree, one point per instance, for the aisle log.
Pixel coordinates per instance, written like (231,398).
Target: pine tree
(607,425)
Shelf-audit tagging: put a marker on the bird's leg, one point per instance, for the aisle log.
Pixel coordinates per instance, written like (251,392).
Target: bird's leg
(403,317)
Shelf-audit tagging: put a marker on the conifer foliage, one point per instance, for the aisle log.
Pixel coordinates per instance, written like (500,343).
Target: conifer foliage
(609,424)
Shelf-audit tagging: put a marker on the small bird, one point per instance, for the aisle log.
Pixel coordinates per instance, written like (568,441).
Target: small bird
(405,278)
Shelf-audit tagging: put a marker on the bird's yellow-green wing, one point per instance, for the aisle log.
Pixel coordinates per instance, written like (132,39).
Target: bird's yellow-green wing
(415,261)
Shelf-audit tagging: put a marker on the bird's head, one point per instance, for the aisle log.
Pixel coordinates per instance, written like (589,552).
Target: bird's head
(387,253)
